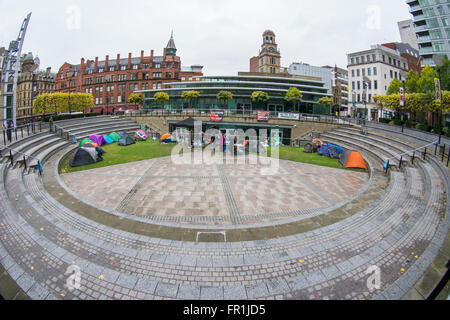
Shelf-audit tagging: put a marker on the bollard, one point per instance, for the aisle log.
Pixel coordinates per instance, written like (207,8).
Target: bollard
(4,136)
(425,154)
(15,130)
(448,156)
(413,156)
(28,129)
(25,162)
(400,163)
(435,149)
(11,157)
(443,153)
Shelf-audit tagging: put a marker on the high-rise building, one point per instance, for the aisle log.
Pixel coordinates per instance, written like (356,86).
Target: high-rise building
(408,33)
(432,27)
(370,72)
(111,81)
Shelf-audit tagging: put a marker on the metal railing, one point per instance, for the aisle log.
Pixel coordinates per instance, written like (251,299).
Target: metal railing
(12,153)
(278,115)
(11,135)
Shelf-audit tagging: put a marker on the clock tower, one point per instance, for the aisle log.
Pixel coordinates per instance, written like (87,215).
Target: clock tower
(269,56)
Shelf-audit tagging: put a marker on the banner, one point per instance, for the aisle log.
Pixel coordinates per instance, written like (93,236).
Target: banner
(402,97)
(438,91)
(263,115)
(288,116)
(217,115)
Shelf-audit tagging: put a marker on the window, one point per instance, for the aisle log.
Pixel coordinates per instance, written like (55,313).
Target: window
(168,75)
(101,70)
(133,76)
(369,72)
(353,85)
(111,68)
(353,73)
(145,76)
(363,72)
(396,75)
(362,59)
(145,66)
(357,60)
(351,59)
(384,58)
(122,77)
(375,84)
(112,99)
(135,66)
(357,73)
(359,85)
(390,60)
(368,58)
(157,65)
(183,78)
(374,58)
(156,75)
(123,67)
(119,99)
(392,74)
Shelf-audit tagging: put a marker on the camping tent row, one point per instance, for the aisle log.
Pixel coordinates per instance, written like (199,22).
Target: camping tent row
(89,150)
(348,158)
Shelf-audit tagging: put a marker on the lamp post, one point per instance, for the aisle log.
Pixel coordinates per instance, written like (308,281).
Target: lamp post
(403,103)
(439,63)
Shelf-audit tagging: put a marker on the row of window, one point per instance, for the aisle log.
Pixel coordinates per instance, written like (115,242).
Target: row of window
(122,87)
(168,65)
(372,58)
(357,85)
(132,77)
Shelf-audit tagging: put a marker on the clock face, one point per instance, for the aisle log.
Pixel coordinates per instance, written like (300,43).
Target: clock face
(271,49)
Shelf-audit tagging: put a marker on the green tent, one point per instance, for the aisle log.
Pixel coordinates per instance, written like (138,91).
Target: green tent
(115,136)
(85,141)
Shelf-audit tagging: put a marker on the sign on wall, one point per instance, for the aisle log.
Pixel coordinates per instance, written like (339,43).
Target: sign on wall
(288,116)
(263,115)
(217,115)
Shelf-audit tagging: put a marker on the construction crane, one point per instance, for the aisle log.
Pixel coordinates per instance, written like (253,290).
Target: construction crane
(9,76)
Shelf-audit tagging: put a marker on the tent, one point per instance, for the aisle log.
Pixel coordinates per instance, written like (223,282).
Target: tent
(115,136)
(98,139)
(141,135)
(323,151)
(125,139)
(84,141)
(90,145)
(333,152)
(166,136)
(353,159)
(339,149)
(83,156)
(108,139)
(188,123)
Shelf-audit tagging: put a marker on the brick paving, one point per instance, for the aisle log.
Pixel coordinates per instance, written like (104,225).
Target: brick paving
(396,224)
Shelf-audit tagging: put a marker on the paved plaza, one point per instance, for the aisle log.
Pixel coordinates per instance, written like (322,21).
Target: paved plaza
(222,194)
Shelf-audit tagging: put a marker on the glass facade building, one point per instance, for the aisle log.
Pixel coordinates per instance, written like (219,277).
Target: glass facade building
(432,21)
(242,87)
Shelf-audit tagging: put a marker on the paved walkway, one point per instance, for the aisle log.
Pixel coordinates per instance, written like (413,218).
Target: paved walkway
(228,194)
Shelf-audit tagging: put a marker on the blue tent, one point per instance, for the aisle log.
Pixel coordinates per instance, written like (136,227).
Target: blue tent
(333,152)
(323,151)
(339,149)
(108,139)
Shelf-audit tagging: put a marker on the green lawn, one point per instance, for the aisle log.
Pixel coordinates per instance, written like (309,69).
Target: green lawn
(149,149)
(115,154)
(297,154)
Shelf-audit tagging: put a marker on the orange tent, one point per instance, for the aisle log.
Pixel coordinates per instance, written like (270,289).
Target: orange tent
(166,136)
(353,159)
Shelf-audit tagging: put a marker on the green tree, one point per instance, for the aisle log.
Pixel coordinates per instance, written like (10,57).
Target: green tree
(445,74)
(189,96)
(295,96)
(224,96)
(426,84)
(161,97)
(411,82)
(394,87)
(136,98)
(326,101)
(260,97)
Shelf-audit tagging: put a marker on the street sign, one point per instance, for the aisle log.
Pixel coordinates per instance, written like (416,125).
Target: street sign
(438,91)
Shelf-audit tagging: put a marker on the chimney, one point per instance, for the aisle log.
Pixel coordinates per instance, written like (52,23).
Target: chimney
(106,63)
(118,62)
(142,55)
(82,64)
(96,64)
(151,54)
(164,54)
(49,69)
(129,60)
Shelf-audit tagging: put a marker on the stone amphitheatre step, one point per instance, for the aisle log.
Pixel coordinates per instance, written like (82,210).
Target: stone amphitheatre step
(74,127)
(42,237)
(82,120)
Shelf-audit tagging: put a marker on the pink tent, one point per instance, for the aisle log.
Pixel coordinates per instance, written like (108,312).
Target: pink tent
(98,139)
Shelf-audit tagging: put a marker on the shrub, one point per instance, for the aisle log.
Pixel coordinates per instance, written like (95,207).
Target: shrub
(385,120)
(408,124)
(422,126)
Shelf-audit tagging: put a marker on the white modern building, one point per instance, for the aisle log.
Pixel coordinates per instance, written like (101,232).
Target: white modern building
(408,33)
(303,69)
(370,72)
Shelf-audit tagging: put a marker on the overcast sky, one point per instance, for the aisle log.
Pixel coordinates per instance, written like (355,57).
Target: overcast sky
(221,35)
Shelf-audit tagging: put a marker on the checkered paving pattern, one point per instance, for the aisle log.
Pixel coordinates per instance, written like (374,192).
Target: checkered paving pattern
(184,191)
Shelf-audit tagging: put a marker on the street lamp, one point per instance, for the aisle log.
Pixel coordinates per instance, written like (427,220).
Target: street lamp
(438,60)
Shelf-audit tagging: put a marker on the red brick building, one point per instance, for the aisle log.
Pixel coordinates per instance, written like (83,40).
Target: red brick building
(254,64)
(409,53)
(111,81)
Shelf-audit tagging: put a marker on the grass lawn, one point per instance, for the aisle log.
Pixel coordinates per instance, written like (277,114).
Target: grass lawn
(149,149)
(297,154)
(115,154)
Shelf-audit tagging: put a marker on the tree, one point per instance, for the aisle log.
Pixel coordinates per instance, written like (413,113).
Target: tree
(161,97)
(260,97)
(59,102)
(394,87)
(326,101)
(445,74)
(426,84)
(136,98)
(411,82)
(294,95)
(224,96)
(189,96)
